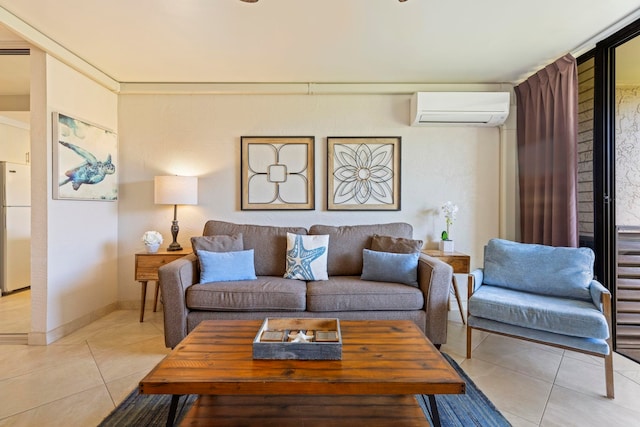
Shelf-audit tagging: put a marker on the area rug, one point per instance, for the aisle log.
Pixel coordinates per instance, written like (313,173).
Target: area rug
(464,410)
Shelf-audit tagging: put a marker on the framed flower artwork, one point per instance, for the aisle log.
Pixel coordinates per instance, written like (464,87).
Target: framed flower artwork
(277,173)
(363,173)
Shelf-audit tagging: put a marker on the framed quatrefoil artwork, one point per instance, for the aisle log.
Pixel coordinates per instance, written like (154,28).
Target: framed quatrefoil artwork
(277,173)
(363,173)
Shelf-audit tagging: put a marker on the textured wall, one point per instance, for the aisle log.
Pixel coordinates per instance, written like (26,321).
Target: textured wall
(628,155)
(200,135)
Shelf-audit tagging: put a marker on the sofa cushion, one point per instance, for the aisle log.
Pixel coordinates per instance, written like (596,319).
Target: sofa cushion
(264,293)
(226,266)
(268,242)
(546,313)
(306,257)
(390,267)
(221,243)
(350,293)
(347,242)
(398,245)
(546,270)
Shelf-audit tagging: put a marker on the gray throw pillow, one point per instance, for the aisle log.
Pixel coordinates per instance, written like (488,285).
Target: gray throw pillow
(390,267)
(398,245)
(219,243)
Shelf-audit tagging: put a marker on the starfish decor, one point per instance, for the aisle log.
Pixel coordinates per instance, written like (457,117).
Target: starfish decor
(299,260)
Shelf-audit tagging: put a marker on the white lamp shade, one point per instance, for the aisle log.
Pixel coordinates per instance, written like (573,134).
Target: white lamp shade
(175,190)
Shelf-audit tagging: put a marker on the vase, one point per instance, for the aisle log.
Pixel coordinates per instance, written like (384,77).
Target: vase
(152,249)
(446,245)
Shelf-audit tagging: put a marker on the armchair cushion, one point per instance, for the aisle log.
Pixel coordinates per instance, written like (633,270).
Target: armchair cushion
(540,269)
(592,345)
(546,313)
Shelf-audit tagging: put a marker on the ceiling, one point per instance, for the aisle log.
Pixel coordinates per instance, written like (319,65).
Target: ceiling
(306,41)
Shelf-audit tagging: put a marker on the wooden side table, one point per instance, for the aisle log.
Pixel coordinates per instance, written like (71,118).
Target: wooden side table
(461,265)
(147,269)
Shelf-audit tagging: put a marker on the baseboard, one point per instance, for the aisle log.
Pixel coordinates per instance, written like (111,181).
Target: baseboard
(46,338)
(135,305)
(14,339)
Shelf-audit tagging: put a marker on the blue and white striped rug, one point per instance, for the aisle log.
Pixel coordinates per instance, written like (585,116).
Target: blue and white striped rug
(465,410)
(461,410)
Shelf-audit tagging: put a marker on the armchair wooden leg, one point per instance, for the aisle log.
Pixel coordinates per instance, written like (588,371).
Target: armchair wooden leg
(469,331)
(608,374)
(608,359)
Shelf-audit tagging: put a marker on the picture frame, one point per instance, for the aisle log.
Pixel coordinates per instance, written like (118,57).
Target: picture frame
(277,173)
(85,165)
(363,173)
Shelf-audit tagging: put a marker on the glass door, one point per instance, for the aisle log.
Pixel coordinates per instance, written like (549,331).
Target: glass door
(627,196)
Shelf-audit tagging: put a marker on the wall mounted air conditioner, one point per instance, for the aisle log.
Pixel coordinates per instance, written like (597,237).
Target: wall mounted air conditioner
(459,108)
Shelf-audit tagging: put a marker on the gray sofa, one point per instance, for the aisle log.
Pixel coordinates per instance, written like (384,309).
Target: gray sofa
(344,296)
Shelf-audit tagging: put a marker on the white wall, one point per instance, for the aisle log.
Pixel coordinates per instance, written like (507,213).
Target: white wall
(75,242)
(200,135)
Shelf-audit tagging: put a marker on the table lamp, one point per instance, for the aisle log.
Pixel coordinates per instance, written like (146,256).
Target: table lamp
(175,190)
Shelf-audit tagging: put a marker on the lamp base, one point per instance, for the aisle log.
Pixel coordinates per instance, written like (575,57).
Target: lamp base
(175,246)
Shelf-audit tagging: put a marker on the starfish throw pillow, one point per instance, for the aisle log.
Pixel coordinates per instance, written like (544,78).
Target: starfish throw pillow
(307,257)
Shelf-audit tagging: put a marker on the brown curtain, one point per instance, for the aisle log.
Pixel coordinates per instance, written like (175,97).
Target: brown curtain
(547,108)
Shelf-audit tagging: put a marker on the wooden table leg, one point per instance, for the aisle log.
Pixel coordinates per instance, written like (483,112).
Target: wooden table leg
(155,298)
(454,282)
(142,299)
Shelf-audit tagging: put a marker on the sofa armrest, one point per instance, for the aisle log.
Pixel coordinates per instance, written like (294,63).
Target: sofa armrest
(175,278)
(434,279)
(475,280)
(596,289)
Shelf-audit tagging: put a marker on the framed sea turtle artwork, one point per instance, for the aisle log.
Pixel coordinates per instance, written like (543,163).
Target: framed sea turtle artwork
(85,160)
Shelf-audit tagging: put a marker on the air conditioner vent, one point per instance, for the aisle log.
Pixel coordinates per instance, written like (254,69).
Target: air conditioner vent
(459,108)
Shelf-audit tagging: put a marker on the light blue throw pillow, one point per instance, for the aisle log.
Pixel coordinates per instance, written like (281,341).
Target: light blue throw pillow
(226,266)
(546,270)
(390,267)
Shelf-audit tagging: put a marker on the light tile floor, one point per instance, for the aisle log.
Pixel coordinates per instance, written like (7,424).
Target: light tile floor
(15,312)
(79,379)
(537,385)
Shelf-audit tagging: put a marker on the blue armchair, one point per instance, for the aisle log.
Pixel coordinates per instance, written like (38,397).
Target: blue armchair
(542,294)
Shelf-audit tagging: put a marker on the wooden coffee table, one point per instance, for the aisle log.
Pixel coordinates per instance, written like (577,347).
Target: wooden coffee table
(384,364)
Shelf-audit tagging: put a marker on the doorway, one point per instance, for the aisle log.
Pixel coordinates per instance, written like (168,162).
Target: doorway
(614,121)
(15,306)
(627,196)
